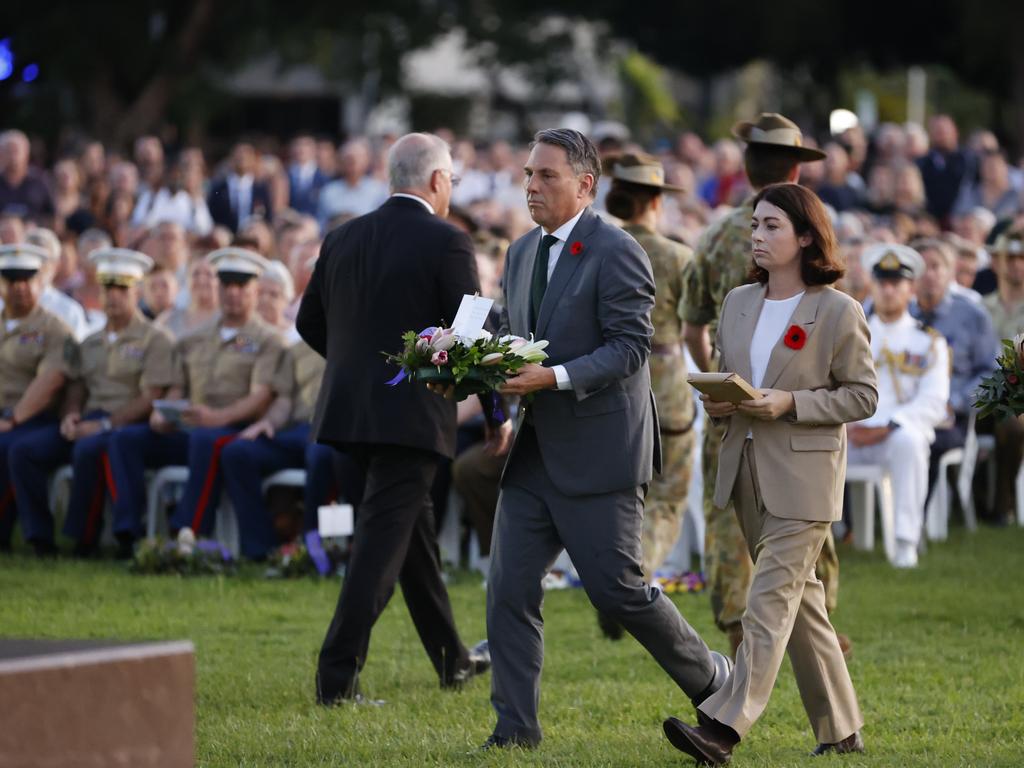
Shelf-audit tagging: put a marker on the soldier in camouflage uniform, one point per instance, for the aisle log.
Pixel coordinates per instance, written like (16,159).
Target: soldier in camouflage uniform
(635,197)
(722,262)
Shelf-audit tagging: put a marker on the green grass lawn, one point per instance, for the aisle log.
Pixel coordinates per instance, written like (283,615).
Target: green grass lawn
(938,662)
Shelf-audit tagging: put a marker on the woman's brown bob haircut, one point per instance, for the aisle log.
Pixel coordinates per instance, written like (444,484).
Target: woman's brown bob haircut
(818,261)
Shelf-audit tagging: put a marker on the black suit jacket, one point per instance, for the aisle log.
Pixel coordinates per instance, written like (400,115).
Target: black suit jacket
(942,177)
(396,269)
(218,200)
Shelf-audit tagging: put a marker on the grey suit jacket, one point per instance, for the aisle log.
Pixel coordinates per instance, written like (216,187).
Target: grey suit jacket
(602,435)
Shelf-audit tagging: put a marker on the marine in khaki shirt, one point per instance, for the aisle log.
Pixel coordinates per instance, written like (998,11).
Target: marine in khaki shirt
(114,376)
(219,366)
(32,367)
(225,373)
(117,368)
(281,440)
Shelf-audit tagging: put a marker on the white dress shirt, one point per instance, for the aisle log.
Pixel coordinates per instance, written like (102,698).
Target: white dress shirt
(562,233)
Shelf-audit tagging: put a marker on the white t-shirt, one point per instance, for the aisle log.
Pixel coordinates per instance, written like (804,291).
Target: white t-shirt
(772,323)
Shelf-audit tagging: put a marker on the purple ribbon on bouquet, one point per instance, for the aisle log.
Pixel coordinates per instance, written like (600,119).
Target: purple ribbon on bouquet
(497,412)
(426,333)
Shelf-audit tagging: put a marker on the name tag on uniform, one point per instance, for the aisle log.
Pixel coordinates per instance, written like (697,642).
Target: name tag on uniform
(335,520)
(32,337)
(131,352)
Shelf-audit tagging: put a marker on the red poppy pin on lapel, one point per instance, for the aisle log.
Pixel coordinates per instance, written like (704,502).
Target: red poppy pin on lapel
(576,248)
(795,337)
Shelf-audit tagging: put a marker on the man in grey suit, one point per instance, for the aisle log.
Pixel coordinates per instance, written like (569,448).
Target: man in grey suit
(587,442)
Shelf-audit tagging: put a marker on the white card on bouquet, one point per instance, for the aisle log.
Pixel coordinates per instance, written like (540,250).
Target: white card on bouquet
(472,315)
(335,520)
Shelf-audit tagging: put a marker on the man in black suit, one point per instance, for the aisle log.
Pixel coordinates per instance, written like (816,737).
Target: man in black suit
(944,168)
(398,268)
(238,197)
(305,179)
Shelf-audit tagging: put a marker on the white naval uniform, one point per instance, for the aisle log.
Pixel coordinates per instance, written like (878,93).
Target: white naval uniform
(913,391)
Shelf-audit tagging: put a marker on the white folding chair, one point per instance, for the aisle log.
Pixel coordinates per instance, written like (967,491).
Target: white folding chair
(290,478)
(966,458)
(864,481)
(1020,496)
(156,522)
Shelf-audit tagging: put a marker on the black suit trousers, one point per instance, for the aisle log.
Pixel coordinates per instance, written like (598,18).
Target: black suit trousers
(395,540)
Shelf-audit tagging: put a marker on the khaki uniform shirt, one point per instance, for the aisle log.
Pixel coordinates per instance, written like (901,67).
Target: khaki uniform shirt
(670,262)
(117,372)
(308,372)
(1006,323)
(722,260)
(32,347)
(216,372)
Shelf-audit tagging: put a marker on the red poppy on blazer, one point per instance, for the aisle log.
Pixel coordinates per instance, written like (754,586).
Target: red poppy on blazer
(576,248)
(795,337)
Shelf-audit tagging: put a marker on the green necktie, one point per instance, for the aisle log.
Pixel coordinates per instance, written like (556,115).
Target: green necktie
(540,278)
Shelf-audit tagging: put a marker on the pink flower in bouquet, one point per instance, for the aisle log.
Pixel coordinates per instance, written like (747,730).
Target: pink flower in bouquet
(440,358)
(423,345)
(443,340)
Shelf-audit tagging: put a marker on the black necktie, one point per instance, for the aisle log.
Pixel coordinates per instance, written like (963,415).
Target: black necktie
(540,278)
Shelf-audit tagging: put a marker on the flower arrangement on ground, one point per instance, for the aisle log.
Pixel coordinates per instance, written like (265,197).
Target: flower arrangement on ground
(297,559)
(184,556)
(1002,393)
(439,356)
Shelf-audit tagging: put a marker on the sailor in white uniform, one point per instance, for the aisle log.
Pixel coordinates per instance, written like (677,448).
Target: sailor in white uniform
(913,391)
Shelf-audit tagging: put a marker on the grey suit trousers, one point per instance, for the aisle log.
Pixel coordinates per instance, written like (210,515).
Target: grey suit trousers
(602,535)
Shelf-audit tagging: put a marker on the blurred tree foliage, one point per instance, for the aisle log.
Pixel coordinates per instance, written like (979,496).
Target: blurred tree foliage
(118,67)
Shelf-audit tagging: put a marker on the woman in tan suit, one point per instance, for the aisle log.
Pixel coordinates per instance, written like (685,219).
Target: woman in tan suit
(805,346)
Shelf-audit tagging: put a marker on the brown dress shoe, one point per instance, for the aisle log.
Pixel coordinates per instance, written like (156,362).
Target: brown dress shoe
(852,743)
(709,744)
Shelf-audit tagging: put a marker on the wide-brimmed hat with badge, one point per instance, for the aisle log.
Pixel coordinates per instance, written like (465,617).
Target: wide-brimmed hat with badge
(638,168)
(120,266)
(20,261)
(237,265)
(890,261)
(773,131)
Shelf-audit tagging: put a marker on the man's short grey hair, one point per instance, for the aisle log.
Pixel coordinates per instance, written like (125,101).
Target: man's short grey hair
(414,157)
(941,247)
(579,150)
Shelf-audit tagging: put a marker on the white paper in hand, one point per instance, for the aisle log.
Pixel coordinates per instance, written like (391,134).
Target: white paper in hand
(472,315)
(335,520)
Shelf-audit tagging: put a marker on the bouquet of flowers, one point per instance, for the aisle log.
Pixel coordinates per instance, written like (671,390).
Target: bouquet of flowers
(1002,393)
(184,556)
(439,356)
(297,559)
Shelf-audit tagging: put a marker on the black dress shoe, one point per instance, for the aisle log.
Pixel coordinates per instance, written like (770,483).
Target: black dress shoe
(710,744)
(610,628)
(852,743)
(506,742)
(44,548)
(479,661)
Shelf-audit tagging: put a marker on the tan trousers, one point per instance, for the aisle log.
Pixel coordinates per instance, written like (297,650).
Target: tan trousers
(785,611)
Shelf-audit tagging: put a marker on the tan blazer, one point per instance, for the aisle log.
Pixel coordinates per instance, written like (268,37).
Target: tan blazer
(801,457)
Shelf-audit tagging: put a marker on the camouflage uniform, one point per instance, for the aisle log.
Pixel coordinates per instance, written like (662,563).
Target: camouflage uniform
(721,263)
(666,497)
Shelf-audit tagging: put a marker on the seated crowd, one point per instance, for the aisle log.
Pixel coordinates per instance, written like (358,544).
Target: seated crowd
(127,280)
